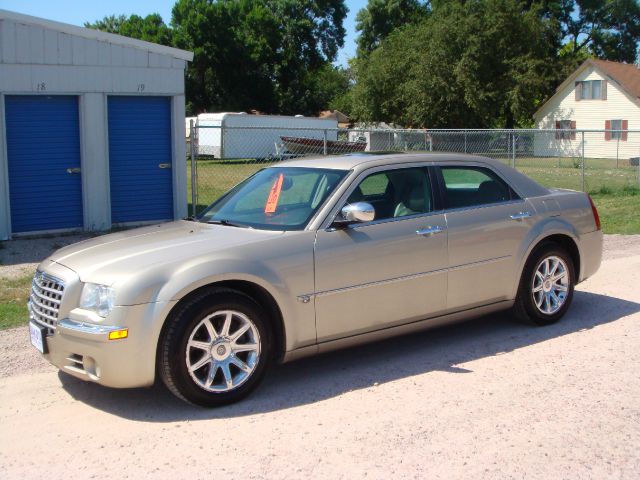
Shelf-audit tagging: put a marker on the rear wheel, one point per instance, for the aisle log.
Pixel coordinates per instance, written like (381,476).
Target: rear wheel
(546,286)
(215,348)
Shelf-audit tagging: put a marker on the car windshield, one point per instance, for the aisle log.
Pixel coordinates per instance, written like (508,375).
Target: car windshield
(276,198)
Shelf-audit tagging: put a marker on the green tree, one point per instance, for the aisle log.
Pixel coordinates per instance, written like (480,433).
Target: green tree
(607,29)
(257,54)
(381,17)
(150,28)
(469,64)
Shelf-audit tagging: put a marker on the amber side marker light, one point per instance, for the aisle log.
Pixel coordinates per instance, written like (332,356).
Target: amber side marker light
(119,334)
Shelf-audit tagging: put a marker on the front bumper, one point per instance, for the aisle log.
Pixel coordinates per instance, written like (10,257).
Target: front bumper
(83,349)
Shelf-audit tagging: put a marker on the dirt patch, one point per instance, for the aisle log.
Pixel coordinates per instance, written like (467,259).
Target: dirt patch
(21,256)
(619,246)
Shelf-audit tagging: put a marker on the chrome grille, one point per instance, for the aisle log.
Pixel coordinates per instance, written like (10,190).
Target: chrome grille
(44,301)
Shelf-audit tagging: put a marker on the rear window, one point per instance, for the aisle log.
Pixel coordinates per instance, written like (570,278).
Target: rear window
(474,186)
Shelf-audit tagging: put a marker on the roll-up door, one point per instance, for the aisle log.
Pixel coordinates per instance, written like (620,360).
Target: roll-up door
(140,158)
(43,150)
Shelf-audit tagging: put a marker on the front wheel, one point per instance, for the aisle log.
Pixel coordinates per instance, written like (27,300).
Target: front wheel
(215,348)
(546,287)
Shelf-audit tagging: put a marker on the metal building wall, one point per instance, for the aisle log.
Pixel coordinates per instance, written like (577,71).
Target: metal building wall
(40,57)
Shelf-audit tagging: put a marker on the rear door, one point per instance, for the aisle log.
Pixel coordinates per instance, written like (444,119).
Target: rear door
(386,272)
(487,223)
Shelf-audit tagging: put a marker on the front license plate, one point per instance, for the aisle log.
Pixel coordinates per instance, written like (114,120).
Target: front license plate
(38,339)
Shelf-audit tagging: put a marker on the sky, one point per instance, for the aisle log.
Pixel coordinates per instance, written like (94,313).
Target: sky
(77,12)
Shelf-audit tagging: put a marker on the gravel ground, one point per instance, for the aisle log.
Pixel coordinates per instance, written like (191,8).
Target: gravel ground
(483,399)
(22,256)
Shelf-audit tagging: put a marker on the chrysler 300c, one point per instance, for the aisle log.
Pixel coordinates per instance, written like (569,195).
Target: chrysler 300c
(307,256)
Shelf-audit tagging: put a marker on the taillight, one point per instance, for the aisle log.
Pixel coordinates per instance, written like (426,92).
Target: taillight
(594,210)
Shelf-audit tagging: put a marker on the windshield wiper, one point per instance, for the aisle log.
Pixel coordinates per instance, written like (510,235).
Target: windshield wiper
(228,223)
(191,218)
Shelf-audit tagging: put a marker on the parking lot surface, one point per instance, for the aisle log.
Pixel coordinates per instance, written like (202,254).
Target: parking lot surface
(484,399)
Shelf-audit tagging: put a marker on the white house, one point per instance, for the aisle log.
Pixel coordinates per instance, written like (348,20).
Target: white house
(92,130)
(599,95)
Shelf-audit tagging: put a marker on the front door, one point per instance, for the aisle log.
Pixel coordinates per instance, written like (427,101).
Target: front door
(386,272)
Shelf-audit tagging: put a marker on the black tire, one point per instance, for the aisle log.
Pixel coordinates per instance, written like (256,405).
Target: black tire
(186,322)
(525,308)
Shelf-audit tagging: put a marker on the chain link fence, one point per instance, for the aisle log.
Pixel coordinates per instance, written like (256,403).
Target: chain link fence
(603,161)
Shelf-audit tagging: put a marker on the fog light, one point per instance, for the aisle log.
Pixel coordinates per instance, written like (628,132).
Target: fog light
(119,334)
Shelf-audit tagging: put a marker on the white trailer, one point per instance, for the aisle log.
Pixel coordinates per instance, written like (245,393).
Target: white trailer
(240,135)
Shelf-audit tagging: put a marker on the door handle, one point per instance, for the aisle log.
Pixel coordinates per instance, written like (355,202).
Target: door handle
(520,215)
(73,170)
(429,231)
(164,165)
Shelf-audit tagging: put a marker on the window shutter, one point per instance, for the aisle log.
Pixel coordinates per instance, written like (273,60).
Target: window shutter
(558,133)
(607,127)
(578,91)
(573,129)
(603,90)
(625,127)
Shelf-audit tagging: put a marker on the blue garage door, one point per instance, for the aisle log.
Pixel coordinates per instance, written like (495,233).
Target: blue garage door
(140,159)
(43,147)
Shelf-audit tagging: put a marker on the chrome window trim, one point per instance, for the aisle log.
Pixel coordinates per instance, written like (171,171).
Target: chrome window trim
(355,226)
(484,205)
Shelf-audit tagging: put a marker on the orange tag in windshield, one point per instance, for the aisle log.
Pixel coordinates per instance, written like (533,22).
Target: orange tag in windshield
(274,195)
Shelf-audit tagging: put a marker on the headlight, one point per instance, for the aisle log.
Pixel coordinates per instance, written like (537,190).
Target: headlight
(97,298)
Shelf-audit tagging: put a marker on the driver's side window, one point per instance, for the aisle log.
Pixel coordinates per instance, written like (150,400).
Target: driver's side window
(395,193)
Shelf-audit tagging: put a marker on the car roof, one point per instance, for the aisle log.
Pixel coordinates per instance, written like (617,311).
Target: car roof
(525,186)
(371,159)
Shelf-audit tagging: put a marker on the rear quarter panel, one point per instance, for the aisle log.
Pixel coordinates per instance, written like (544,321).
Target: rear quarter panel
(565,212)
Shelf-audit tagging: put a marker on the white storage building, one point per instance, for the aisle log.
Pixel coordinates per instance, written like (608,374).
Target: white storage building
(92,129)
(239,135)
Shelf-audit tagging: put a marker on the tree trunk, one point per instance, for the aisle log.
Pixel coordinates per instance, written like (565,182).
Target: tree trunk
(509,121)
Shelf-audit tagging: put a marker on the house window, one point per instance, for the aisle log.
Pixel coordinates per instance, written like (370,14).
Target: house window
(616,125)
(616,130)
(565,129)
(590,90)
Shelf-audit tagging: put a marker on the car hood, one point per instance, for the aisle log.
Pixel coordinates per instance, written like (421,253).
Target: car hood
(105,258)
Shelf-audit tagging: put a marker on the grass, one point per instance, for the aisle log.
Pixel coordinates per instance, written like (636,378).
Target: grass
(215,177)
(619,210)
(14,294)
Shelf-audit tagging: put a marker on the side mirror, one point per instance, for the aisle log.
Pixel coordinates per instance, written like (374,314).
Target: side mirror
(356,213)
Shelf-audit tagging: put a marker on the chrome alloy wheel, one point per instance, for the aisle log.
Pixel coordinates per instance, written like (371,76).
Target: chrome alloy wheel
(550,285)
(223,351)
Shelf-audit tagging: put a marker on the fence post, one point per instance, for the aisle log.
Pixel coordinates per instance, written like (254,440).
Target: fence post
(192,150)
(324,142)
(465,141)
(583,160)
(513,150)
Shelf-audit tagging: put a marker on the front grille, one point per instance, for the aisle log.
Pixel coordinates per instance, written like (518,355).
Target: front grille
(44,302)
